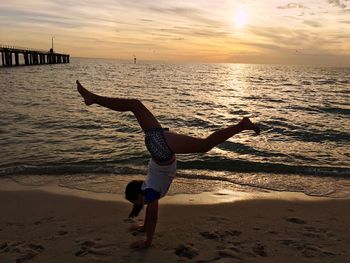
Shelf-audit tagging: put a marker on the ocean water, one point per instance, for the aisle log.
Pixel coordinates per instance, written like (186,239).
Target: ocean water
(49,135)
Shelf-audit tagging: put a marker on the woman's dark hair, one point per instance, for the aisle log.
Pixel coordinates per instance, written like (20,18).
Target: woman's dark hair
(132,190)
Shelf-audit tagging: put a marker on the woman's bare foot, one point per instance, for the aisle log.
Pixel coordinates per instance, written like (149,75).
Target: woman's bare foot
(247,124)
(87,95)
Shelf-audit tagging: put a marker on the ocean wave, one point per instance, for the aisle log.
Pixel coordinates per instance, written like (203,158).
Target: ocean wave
(303,108)
(259,167)
(305,134)
(213,164)
(334,110)
(246,149)
(320,136)
(305,82)
(290,84)
(326,82)
(66,169)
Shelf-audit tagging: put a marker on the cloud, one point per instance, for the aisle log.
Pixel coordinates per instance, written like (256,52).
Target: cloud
(196,31)
(312,23)
(291,6)
(191,14)
(54,18)
(273,39)
(39,18)
(338,3)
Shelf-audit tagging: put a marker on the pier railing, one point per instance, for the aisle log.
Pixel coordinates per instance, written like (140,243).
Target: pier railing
(10,56)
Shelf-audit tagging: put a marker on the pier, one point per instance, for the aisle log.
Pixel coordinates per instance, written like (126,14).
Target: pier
(13,56)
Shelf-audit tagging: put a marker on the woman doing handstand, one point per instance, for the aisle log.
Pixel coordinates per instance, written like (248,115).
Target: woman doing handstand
(163,146)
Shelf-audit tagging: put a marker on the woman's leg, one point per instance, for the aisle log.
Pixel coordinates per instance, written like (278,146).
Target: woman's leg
(186,144)
(142,114)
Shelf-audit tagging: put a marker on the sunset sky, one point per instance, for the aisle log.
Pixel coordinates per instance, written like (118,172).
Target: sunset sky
(303,32)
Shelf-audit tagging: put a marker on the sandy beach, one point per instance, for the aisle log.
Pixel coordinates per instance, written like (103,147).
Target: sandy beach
(37,226)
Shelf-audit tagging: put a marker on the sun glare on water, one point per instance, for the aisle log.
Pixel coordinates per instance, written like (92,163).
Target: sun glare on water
(241,17)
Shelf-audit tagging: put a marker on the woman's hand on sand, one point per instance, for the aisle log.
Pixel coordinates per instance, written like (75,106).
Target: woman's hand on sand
(140,244)
(137,227)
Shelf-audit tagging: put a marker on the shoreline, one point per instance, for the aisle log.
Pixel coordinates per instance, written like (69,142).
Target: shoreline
(219,196)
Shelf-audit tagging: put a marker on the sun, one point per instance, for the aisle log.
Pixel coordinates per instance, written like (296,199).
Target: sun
(241,17)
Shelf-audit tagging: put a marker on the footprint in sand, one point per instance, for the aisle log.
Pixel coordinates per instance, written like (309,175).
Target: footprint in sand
(36,247)
(295,220)
(84,248)
(228,254)
(92,248)
(218,219)
(43,220)
(259,249)
(312,235)
(311,251)
(4,247)
(62,233)
(237,250)
(14,224)
(23,251)
(216,235)
(307,249)
(319,233)
(238,244)
(209,235)
(233,233)
(186,250)
(220,247)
